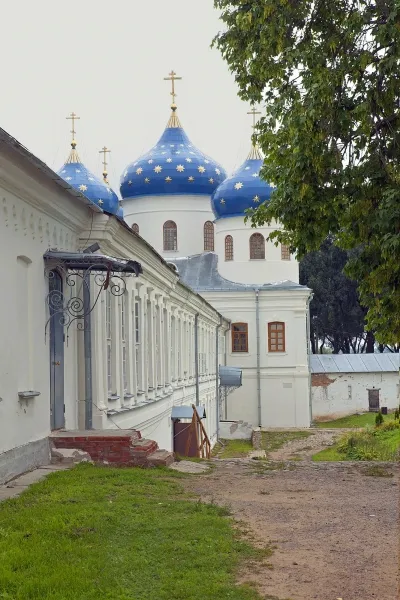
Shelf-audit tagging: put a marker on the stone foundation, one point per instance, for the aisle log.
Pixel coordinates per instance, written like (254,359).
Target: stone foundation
(256,439)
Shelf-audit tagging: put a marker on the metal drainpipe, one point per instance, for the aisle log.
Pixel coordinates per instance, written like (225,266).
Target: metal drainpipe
(87,342)
(258,356)
(196,357)
(217,372)
(310,297)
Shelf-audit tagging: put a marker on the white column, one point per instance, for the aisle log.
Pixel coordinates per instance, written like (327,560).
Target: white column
(151,341)
(130,345)
(167,340)
(116,363)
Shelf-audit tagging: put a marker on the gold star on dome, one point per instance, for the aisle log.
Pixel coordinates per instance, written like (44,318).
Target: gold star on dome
(181,145)
(178,152)
(150,161)
(238,185)
(247,168)
(206,161)
(157,169)
(77,170)
(168,179)
(191,178)
(147,180)
(83,187)
(163,153)
(130,182)
(68,178)
(169,160)
(222,201)
(218,172)
(256,198)
(211,180)
(188,159)
(100,202)
(91,178)
(201,169)
(255,175)
(172,145)
(139,171)
(180,168)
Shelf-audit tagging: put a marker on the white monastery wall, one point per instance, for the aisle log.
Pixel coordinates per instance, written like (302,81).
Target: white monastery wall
(336,395)
(242,269)
(35,215)
(188,212)
(284,376)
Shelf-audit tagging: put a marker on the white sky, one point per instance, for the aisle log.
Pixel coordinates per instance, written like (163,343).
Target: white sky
(106,62)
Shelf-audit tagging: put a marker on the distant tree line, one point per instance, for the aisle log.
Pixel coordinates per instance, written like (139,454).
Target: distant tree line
(336,315)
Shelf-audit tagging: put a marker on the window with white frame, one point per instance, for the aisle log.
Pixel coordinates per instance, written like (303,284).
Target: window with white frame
(109,340)
(123,343)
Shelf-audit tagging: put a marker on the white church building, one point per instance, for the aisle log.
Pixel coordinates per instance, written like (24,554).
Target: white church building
(116,313)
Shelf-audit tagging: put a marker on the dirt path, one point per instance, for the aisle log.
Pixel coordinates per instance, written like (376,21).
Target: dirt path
(335,529)
(304,448)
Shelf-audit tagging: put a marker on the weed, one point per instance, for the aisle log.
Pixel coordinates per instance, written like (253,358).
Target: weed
(376,471)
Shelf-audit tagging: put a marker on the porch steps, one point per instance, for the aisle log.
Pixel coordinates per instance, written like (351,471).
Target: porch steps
(121,447)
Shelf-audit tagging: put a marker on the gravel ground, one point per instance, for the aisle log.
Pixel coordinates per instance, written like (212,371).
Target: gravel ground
(304,448)
(336,530)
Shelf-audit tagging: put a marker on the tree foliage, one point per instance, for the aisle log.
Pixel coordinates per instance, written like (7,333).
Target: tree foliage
(327,72)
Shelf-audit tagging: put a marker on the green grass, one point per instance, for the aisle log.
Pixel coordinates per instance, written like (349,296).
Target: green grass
(118,534)
(233,449)
(353,421)
(329,455)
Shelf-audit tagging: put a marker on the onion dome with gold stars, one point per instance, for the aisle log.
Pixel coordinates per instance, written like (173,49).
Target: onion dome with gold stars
(172,166)
(79,177)
(242,190)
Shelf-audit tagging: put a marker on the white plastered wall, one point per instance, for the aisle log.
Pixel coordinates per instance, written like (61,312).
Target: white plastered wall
(335,395)
(285,391)
(243,270)
(189,212)
(35,214)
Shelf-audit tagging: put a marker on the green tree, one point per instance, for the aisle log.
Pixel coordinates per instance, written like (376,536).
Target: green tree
(327,72)
(337,318)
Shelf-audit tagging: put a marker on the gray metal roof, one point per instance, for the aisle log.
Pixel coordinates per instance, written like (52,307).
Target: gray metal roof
(186,412)
(200,272)
(355,363)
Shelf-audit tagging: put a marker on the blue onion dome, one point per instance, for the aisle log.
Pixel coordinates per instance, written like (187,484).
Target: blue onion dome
(243,190)
(172,166)
(79,177)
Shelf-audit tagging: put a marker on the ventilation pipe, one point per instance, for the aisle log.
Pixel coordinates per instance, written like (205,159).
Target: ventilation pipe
(258,356)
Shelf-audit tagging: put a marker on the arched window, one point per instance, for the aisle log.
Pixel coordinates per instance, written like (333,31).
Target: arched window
(276,337)
(257,246)
(240,337)
(170,236)
(135,228)
(228,247)
(285,252)
(208,237)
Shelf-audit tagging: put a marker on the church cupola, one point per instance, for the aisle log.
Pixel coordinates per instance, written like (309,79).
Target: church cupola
(243,189)
(79,177)
(173,165)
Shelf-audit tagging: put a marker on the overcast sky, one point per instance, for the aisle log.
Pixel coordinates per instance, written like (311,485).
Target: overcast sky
(106,61)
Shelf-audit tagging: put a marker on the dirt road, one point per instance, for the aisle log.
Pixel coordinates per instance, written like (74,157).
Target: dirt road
(336,530)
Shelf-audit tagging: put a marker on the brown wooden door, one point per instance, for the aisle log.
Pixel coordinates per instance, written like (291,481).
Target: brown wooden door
(373,400)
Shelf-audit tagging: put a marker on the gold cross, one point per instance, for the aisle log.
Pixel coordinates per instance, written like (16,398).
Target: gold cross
(254,112)
(73,117)
(104,151)
(172,77)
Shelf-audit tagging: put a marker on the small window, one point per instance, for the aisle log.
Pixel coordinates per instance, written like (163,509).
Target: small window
(285,252)
(208,237)
(257,247)
(229,247)
(276,337)
(240,342)
(135,228)
(170,236)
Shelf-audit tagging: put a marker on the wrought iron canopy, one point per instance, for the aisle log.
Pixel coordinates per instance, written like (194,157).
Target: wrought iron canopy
(83,261)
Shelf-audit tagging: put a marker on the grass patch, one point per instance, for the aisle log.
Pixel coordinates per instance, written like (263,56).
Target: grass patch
(234,449)
(353,421)
(273,440)
(378,443)
(118,534)
(376,471)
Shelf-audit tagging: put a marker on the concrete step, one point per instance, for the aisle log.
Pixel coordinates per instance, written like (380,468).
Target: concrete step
(160,458)
(69,456)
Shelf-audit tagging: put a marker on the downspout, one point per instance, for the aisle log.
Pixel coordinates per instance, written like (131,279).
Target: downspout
(258,357)
(310,297)
(87,343)
(196,357)
(217,372)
